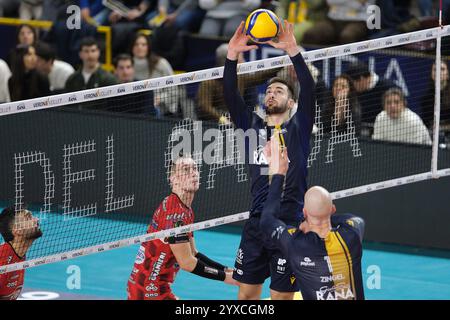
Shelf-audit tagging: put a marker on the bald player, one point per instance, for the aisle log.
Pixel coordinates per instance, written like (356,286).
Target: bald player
(324,257)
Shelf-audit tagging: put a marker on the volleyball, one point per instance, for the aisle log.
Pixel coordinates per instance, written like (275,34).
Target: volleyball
(262,25)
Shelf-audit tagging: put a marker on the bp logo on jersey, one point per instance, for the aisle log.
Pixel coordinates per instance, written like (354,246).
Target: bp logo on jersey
(140,257)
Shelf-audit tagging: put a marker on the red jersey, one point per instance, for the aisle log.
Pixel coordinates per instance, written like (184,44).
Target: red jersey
(155,266)
(10,283)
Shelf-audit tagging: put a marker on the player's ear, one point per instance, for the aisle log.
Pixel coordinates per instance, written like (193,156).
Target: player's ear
(291,103)
(305,214)
(333,209)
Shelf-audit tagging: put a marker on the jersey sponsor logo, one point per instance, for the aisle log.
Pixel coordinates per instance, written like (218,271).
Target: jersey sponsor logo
(341,292)
(336,277)
(151,287)
(176,217)
(307,262)
(157,266)
(292,278)
(281,262)
(240,256)
(258,156)
(154,224)
(239,272)
(292,230)
(281,269)
(151,295)
(140,257)
(278,231)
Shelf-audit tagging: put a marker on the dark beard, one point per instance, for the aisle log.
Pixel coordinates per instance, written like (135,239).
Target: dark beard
(277,110)
(35,235)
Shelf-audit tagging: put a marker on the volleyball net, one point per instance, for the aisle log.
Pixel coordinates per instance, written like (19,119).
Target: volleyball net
(94,165)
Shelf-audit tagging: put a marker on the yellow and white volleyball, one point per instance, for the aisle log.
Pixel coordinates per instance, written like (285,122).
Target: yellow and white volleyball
(262,25)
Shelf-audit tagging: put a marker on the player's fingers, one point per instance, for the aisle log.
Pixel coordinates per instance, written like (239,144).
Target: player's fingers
(274,44)
(239,30)
(282,26)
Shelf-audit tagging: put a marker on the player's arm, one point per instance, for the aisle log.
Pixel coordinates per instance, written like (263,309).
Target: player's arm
(357,223)
(233,99)
(269,224)
(306,99)
(200,256)
(182,250)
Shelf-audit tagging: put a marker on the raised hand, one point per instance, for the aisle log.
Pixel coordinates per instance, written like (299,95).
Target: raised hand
(238,43)
(286,39)
(277,156)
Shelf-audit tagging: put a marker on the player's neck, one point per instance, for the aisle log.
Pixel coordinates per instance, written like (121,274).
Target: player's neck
(277,119)
(320,226)
(21,246)
(186,197)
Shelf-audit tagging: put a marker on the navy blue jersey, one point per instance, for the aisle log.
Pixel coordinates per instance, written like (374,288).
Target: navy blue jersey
(327,269)
(296,131)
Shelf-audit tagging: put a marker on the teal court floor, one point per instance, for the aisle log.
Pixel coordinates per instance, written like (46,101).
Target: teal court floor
(404,273)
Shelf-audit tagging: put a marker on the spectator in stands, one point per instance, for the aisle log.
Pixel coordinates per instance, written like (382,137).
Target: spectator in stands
(369,88)
(67,41)
(396,18)
(124,68)
(30,9)
(397,123)
(428,100)
(147,64)
(26,35)
(26,82)
(342,109)
(211,103)
(182,14)
(346,23)
(57,71)
(224,16)
(91,75)
(304,14)
(142,102)
(94,12)
(125,23)
(137,11)
(5,74)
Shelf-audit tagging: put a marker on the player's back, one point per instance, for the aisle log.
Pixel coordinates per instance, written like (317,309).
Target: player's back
(330,268)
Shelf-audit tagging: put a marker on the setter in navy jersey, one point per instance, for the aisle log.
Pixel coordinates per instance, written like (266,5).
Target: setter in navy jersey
(325,255)
(158,261)
(19,230)
(257,257)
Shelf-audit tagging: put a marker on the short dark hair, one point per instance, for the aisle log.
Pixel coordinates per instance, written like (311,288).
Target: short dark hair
(88,42)
(358,70)
(7,218)
(45,51)
(395,92)
(287,83)
(121,57)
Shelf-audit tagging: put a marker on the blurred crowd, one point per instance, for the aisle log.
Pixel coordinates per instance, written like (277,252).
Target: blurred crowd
(64,60)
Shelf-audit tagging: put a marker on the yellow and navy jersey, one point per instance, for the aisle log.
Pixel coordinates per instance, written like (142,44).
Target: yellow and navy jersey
(327,269)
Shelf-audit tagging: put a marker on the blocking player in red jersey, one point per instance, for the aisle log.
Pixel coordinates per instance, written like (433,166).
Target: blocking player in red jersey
(158,261)
(19,230)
